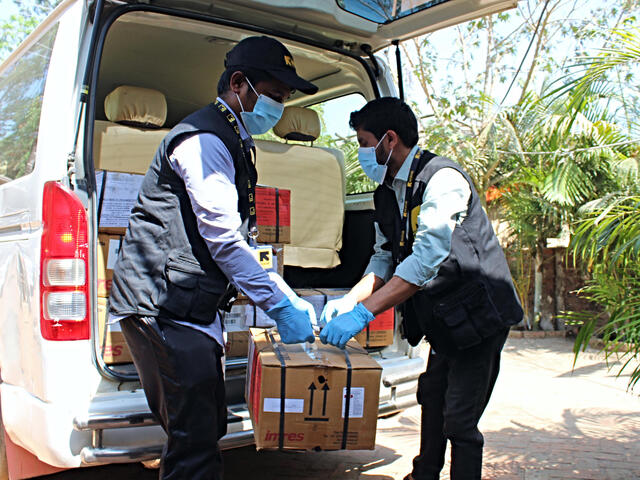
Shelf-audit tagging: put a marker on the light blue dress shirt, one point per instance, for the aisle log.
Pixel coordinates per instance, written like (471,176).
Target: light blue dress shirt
(205,165)
(444,205)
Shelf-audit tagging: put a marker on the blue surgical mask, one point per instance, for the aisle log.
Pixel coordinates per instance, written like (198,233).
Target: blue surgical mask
(264,116)
(369,162)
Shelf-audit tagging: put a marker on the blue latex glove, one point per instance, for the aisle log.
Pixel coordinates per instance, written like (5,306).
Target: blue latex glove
(302,304)
(336,307)
(293,320)
(339,331)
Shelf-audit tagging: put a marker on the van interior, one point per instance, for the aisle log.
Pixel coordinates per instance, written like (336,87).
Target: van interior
(176,63)
(155,69)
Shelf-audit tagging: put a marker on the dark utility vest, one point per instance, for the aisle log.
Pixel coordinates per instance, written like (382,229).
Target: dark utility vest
(472,297)
(164,263)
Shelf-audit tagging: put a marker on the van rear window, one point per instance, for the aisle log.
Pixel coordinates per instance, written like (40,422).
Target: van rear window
(386,11)
(21,90)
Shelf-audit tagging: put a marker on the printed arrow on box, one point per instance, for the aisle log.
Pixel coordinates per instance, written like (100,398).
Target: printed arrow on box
(312,389)
(325,389)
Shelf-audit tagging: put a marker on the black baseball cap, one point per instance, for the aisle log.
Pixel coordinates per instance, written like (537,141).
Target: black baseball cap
(271,56)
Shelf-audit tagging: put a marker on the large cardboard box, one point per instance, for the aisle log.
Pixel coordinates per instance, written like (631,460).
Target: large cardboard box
(108,248)
(113,347)
(273,211)
(321,399)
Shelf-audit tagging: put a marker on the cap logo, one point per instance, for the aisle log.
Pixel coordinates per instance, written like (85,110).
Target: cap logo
(289,61)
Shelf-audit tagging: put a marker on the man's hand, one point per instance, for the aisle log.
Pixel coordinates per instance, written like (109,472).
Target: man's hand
(336,307)
(342,328)
(294,317)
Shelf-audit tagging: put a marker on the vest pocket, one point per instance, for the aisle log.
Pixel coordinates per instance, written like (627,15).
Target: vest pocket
(189,294)
(468,314)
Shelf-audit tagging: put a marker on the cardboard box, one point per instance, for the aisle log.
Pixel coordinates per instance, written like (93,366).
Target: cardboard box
(236,332)
(117,194)
(298,399)
(113,347)
(237,344)
(273,211)
(108,248)
(379,333)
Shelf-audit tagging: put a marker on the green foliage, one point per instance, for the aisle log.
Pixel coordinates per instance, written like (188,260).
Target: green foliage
(19,26)
(608,239)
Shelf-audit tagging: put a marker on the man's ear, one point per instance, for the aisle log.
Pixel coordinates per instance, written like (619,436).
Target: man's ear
(236,81)
(393,138)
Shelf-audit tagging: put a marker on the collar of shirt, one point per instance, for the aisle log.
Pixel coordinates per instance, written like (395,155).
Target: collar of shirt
(244,135)
(403,174)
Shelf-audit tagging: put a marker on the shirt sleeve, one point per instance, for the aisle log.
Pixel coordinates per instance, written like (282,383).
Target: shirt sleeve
(381,262)
(444,205)
(205,165)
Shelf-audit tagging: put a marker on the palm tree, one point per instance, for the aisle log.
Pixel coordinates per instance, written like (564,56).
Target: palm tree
(607,238)
(551,142)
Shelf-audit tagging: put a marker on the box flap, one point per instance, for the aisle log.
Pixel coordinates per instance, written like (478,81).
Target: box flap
(295,355)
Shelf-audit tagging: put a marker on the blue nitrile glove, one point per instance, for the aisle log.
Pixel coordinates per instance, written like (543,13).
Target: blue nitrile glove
(336,307)
(293,320)
(302,304)
(340,330)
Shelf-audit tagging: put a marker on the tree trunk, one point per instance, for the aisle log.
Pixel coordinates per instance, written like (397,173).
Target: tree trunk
(537,287)
(559,287)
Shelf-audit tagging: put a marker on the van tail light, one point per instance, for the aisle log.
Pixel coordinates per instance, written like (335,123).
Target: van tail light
(64,276)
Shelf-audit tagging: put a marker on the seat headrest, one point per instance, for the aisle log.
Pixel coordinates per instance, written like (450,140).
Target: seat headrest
(298,123)
(136,106)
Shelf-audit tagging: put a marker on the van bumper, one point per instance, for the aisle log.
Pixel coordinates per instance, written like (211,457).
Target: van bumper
(397,392)
(117,427)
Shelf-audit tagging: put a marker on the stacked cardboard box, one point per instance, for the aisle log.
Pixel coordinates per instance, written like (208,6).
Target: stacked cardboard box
(379,333)
(116,193)
(318,399)
(273,211)
(113,346)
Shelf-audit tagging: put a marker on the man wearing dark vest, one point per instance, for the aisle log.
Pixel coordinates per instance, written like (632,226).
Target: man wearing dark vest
(437,258)
(186,251)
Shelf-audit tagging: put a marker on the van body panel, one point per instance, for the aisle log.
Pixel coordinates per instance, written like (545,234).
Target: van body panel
(326,23)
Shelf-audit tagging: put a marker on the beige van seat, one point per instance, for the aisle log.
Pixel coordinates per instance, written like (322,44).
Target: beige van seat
(128,141)
(316,179)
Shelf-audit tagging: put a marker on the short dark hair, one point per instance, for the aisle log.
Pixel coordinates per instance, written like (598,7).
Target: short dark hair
(387,113)
(252,74)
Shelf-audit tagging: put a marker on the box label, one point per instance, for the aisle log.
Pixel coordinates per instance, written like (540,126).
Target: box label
(356,404)
(112,255)
(291,405)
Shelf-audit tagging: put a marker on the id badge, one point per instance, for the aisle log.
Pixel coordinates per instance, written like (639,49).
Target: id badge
(265,257)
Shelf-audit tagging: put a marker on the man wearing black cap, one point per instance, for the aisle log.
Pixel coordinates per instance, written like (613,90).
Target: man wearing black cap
(185,252)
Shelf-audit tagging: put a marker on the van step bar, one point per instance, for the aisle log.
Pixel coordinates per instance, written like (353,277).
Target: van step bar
(105,455)
(97,423)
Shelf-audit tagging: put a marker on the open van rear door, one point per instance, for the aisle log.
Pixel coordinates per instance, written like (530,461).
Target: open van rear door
(343,23)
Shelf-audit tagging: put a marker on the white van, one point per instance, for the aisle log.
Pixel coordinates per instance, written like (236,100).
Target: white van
(63,405)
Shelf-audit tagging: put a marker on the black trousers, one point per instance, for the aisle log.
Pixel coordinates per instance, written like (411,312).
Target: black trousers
(453,393)
(181,373)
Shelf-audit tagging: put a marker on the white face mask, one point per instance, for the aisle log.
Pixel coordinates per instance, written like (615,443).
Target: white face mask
(264,116)
(369,162)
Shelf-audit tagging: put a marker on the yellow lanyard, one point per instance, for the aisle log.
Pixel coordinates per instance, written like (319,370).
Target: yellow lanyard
(407,196)
(251,188)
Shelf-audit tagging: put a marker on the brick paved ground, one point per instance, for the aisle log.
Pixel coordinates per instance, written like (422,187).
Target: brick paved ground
(543,422)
